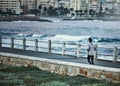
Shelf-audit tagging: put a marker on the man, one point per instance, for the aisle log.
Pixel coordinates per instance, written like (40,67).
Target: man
(91,49)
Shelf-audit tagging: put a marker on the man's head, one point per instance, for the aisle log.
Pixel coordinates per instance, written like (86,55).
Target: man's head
(90,40)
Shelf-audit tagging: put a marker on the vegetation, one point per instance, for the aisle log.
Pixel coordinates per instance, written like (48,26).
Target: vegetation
(25,76)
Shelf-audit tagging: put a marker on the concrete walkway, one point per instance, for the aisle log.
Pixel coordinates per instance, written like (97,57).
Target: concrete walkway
(59,57)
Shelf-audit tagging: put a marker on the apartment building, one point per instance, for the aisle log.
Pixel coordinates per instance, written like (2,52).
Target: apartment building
(13,5)
(113,6)
(84,4)
(24,6)
(28,5)
(32,4)
(117,5)
(46,3)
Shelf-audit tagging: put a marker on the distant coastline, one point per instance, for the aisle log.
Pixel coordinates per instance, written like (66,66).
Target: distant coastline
(45,19)
(107,18)
(22,18)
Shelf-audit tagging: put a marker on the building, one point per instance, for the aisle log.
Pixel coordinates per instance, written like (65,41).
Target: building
(84,4)
(12,5)
(113,7)
(64,3)
(103,6)
(46,3)
(24,6)
(28,5)
(32,4)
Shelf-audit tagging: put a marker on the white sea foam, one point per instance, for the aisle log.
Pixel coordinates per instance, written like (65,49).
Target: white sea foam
(36,35)
(20,34)
(68,38)
(52,19)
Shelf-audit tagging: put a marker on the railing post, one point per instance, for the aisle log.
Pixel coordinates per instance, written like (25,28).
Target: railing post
(0,41)
(63,48)
(24,44)
(115,54)
(12,43)
(78,50)
(95,54)
(49,46)
(36,44)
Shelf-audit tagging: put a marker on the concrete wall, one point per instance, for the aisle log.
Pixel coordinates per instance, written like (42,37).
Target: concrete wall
(61,67)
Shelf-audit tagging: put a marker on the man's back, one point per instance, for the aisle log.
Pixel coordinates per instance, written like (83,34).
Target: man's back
(91,49)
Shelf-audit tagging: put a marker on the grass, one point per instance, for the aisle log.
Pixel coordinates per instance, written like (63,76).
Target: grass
(25,76)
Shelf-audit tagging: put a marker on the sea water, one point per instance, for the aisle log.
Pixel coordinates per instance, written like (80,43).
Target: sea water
(103,33)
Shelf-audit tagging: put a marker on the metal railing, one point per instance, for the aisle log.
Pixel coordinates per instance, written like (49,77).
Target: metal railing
(52,47)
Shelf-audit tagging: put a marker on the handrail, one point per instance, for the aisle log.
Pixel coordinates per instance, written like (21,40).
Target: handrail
(64,47)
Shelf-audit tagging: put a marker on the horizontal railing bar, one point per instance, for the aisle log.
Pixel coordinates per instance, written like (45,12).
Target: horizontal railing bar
(30,40)
(42,41)
(70,44)
(18,38)
(83,44)
(29,46)
(18,44)
(7,43)
(3,37)
(71,50)
(43,47)
(83,52)
(56,43)
(105,54)
(55,48)
(106,47)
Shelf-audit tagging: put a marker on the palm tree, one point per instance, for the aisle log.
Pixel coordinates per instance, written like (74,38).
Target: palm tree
(45,10)
(66,11)
(50,11)
(101,8)
(40,8)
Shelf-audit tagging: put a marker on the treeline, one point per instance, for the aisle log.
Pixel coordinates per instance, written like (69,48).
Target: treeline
(51,11)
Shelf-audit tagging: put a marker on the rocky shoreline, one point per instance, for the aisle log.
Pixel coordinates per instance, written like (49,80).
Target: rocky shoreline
(37,18)
(22,18)
(107,18)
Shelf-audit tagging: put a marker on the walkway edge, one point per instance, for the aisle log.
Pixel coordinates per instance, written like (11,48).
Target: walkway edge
(95,67)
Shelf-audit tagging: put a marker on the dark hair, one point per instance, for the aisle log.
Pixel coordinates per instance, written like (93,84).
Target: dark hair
(90,40)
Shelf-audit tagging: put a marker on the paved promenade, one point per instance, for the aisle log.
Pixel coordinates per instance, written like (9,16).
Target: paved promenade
(59,57)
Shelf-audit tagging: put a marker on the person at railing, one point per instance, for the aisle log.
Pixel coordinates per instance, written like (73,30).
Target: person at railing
(91,49)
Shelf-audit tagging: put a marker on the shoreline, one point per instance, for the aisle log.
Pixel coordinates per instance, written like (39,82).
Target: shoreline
(49,19)
(107,18)
(23,18)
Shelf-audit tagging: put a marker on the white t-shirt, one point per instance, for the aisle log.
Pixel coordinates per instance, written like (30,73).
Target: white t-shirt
(91,49)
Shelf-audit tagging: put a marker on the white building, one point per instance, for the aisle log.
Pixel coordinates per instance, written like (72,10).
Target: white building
(64,3)
(84,4)
(13,5)
(113,6)
(32,4)
(46,3)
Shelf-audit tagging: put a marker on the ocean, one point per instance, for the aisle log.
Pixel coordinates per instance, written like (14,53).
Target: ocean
(104,33)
